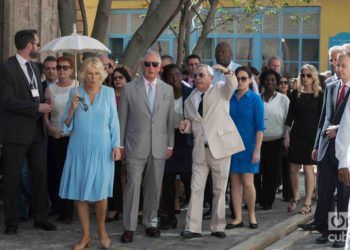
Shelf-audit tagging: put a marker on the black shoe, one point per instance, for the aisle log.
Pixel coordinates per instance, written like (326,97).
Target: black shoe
(152,232)
(232,226)
(266,207)
(323,239)
(338,244)
(190,235)
(165,225)
(207,215)
(45,225)
(53,212)
(219,235)
(310,227)
(253,225)
(10,229)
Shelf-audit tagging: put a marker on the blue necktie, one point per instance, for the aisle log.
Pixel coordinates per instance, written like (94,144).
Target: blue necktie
(150,97)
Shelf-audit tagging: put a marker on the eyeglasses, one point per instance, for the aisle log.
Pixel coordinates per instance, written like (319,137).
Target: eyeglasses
(148,64)
(242,79)
(37,44)
(200,75)
(284,82)
(64,67)
(305,75)
(118,78)
(83,104)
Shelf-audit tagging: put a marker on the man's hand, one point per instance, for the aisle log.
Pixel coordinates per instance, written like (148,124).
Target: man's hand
(122,153)
(314,155)
(331,133)
(116,154)
(45,108)
(183,126)
(286,140)
(221,68)
(344,176)
(169,153)
(55,132)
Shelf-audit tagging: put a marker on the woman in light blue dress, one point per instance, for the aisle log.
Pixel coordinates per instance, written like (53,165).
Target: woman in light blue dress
(93,147)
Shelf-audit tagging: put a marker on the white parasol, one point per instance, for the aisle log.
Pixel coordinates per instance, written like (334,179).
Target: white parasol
(73,44)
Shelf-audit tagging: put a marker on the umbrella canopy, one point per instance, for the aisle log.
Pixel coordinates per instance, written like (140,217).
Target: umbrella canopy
(75,43)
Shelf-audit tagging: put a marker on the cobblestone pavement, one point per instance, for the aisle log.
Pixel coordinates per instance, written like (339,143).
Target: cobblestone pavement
(67,235)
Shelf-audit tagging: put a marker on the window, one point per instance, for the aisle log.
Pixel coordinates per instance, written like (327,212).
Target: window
(117,47)
(270,47)
(118,23)
(290,23)
(271,23)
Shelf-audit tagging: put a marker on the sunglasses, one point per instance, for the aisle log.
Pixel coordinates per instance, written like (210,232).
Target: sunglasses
(242,79)
(283,82)
(83,104)
(200,75)
(148,64)
(118,78)
(305,75)
(64,67)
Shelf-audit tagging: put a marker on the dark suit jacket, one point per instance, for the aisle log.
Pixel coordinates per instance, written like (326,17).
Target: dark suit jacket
(327,118)
(20,109)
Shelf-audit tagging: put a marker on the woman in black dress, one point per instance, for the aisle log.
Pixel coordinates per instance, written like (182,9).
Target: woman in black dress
(301,127)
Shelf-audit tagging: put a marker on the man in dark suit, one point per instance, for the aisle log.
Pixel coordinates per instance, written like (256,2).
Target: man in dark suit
(335,98)
(50,71)
(333,54)
(24,131)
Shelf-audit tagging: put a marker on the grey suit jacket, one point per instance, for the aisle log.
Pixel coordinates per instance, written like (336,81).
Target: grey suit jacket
(328,109)
(142,133)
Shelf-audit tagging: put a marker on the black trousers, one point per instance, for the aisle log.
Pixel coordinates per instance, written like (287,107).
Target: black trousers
(168,193)
(116,202)
(52,177)
(13,159)
(59,153)
(270,171)
(287,192)
(327,183)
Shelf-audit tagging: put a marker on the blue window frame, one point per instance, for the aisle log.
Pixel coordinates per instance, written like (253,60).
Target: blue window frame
(296,43)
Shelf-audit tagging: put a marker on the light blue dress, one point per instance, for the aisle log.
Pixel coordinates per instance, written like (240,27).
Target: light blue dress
(89,168)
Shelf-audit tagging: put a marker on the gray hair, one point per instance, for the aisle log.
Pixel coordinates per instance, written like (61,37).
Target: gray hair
(152,52)
(336,48)
(207,67)
(346,46)
(273,58)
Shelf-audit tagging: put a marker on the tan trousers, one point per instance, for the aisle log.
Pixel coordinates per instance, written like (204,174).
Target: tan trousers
(220,169)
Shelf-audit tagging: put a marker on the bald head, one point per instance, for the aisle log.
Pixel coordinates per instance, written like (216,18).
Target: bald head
(223,54)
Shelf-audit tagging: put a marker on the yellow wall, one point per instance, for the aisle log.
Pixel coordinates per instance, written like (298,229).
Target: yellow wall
(335,18)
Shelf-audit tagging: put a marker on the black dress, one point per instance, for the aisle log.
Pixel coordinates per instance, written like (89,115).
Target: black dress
(303,117)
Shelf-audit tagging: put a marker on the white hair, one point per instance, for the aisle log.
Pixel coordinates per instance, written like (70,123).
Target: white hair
(336,48)
(152,52)
(207,67)
(346,46)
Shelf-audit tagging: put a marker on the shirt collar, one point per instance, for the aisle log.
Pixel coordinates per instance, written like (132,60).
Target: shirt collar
(247,94)
(146,82)
(21,60)
(211,85)
(347,83)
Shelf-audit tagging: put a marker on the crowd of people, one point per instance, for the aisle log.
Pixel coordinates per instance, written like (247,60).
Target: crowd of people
(130,145)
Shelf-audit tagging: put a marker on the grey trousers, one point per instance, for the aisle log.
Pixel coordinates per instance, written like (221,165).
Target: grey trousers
(151,170)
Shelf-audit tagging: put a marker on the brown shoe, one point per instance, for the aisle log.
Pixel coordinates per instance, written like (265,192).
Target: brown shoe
(127,236)
(153,232)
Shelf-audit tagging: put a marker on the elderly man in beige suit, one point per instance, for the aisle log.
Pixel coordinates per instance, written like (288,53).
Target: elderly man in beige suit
(216,139)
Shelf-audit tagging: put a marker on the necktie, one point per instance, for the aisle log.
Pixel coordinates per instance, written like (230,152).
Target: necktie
(150,97)
(31,74)
(200,107)
(341,95)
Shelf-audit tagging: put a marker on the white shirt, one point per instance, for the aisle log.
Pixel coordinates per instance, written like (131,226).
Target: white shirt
(196,99)
(342,140)
(22,62)
(275,114)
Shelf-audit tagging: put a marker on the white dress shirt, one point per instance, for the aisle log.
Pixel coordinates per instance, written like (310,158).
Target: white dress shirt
(22,62)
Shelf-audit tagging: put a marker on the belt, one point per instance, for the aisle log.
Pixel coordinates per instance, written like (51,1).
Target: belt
(206,145)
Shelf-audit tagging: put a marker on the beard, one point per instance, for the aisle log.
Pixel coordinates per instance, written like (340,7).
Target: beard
(34,54)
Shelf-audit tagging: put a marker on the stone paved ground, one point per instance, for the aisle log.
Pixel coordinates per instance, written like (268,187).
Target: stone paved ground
(67,235)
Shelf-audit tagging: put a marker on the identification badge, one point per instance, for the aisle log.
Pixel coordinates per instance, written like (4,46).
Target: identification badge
(35,93)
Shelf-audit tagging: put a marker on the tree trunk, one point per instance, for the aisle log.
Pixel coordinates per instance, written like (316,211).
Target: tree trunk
(182,32)
(151,28)
(101,21)
(206,27)
(67,15)
(83,14)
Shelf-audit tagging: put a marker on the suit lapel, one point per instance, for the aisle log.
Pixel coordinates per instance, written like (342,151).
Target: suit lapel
(142,93)
(159,95)
(21,73)
(193,106)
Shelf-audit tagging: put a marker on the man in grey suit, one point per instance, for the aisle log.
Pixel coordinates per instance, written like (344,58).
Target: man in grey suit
(335,98)
(147,138)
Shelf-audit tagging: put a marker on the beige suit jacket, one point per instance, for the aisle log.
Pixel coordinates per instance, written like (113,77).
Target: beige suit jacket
(216,124)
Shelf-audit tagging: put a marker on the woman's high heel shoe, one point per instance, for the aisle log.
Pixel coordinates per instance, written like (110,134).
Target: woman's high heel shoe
(105,243)
(82,246)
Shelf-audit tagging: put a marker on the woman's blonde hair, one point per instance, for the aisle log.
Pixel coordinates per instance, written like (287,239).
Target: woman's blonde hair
(92,62)
(316,81)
